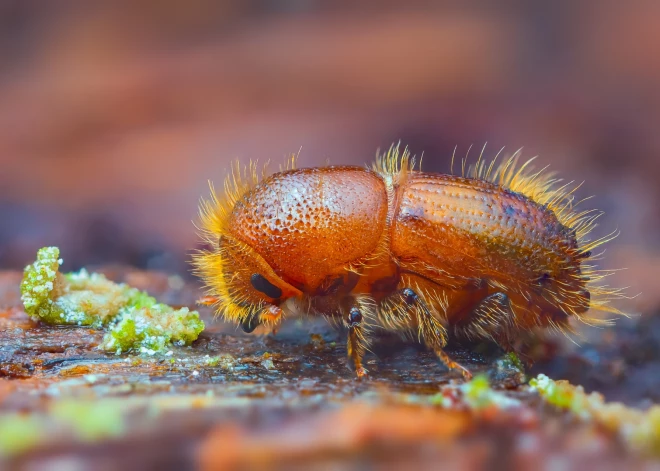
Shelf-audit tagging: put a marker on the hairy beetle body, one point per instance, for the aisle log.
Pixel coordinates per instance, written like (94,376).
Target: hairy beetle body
(485,255)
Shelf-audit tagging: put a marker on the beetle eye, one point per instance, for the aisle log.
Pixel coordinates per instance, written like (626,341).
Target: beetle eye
(264,286)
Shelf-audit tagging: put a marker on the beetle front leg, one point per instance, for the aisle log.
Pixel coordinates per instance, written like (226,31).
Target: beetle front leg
(270,316)
(357,341)
(207,301)
(353,312)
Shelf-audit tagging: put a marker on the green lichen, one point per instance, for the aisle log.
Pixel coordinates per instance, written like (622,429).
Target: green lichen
(559,393)
(41,286)
(508,370)
(96,297)
(211,361)
(478,394)
(140,299)
(511,360)
(90,421)
(638,429)
(87,421)
(646,436)
(20,433)
(72,299)
(152,329)
(135,321)
(477,391)
(226,361)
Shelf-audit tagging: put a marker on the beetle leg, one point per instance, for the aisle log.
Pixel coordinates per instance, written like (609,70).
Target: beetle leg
(270,317)
(396,312)
(207,301)
(491,319)
(432,331)
(357,341)
(249,324)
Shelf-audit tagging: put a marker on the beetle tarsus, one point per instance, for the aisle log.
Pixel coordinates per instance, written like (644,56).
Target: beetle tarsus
(207,301)
(451,364)
(361,372)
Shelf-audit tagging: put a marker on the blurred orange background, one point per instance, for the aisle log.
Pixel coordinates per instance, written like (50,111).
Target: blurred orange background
(113,115)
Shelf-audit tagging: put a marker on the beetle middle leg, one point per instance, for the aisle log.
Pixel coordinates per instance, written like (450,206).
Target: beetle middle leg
(405,307)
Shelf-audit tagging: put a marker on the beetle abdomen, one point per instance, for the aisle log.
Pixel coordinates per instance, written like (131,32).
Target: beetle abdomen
(476,229)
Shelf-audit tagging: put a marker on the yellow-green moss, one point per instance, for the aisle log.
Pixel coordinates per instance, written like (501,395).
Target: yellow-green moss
(478,394)
(20,432)
(511,360)
(640,430)
(211,361)
(75,298)
(560,393)
(646,436)
(90,421)
(135,321)
(153,328)
(87,421)
(41,287)
(475,394)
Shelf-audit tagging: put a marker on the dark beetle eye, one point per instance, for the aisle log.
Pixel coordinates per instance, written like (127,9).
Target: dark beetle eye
(264,286)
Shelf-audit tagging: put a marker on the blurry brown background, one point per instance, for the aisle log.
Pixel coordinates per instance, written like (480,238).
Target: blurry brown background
(113,115)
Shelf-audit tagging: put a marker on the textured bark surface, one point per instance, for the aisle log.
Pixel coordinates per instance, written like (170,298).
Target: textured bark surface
(289,400)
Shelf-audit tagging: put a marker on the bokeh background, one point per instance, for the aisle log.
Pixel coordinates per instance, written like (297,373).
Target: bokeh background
(113,115)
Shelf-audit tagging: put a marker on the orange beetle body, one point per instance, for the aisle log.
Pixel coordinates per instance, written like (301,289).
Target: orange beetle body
(484,256)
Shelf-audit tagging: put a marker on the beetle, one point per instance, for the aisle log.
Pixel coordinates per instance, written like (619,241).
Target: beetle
(488,254)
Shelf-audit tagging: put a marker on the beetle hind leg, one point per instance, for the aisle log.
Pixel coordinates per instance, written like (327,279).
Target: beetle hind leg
(492,319)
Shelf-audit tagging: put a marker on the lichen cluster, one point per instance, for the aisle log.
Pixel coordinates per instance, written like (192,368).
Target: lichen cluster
(88,421)
(478,394)
(639,429)
(475,395)
(134,320)
(152,328)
